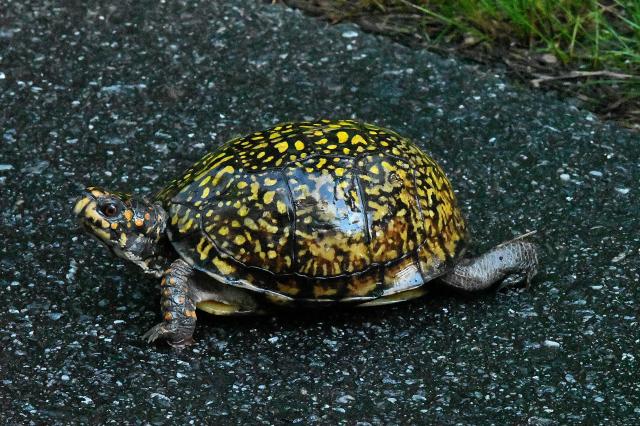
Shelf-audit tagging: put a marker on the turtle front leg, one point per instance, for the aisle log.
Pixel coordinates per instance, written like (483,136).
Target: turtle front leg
(510,262)
(178,307)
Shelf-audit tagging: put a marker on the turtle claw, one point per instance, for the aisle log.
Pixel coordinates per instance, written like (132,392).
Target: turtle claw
(514,280)
(155,332)
(517,279)
(172,334)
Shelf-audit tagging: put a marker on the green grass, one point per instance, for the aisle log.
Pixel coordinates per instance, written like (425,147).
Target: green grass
(582,35)
(597,32)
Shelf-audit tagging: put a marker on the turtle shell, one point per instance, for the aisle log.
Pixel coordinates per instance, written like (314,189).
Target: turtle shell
(317,211)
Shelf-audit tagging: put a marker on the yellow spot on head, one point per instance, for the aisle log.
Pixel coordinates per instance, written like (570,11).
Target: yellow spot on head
(128,214)
(239,240)
(342,137)
(139,222)
(97,193)
(243,211)
(270,181)
(205,192)
(123,239)
(339,171)
(81,204)
(242,184)
(374,169)
(282,208)
(299,145)
(223,231)
(101,233)
(114,226)
(272,254)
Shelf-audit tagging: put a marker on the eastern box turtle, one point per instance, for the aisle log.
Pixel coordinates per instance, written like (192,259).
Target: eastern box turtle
(302,214)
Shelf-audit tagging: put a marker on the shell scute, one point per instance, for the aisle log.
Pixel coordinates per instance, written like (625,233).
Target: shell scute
(330,223)
(328,210)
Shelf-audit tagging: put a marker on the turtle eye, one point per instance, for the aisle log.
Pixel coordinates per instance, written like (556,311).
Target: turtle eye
(109,210)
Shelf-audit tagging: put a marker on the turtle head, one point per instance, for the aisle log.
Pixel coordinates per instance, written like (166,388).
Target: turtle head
(130,227)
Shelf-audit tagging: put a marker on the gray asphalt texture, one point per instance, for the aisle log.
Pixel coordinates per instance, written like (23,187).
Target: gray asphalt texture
(128,95)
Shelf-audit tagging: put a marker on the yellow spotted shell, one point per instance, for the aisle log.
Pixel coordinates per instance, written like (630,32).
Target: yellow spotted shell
(327,210)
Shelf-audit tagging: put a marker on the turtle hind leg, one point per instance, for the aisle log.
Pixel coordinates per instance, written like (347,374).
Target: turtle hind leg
(510,262)
(178,307)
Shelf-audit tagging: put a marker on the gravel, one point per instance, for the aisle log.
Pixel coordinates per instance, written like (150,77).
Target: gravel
(128,94)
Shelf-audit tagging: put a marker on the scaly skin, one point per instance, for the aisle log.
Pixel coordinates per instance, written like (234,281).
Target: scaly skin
(510,262)
(178,307)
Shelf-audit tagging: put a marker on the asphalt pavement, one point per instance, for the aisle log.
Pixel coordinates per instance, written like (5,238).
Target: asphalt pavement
(128,94)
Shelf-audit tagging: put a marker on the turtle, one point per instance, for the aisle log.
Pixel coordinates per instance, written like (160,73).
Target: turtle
(308,214)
